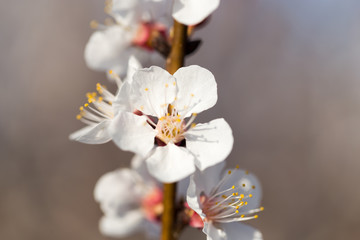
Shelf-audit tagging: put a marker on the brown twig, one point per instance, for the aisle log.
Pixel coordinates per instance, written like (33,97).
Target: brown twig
(174,61)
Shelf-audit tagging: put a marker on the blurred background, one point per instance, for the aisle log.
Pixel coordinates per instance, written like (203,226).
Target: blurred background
(289,85)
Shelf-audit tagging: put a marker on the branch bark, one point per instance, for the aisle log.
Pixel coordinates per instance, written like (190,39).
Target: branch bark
(174,61)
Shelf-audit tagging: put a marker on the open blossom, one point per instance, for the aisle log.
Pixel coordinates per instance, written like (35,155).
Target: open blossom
(99,110)
(129,33)
(192,12)
(131,201)
(158,122)
(222,199)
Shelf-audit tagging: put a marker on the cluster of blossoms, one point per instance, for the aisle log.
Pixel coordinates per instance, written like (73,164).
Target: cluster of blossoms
(152,114)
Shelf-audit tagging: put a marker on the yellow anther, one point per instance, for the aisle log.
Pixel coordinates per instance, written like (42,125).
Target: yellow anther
(192,94)
(233,187)
(178,120)
(250,195)
(253,187)
(86,105)
(146,89)
(237,211)
(166,85)
(246,203)
(174,83)
(193,125)
(94,24)
(246,172)
(81,108)
(161,119)
(242,216)
(78,117)
(237,166)
(100,99)
(216,203)
(224,196)
(194,114)
(243,184)
(236,193)
(237,207)
(256,216)
(233,194)
(110,71)
(261,208)
(242,196)
(229,172)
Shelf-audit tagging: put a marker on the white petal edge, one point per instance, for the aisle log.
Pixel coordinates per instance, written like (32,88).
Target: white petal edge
(131,132)
(152,89)
(105,49)
(191,12)
(211,142)
(109,191)
(170,163)
(197,90)
(122,226)
(94,134)
(230,231)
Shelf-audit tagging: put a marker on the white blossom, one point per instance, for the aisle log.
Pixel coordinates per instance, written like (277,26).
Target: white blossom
(99,111)
(192,12)
(223,199)
(134,24)
(131,201)
(158,122)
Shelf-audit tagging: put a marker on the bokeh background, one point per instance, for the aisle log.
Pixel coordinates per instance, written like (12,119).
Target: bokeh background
(289,85)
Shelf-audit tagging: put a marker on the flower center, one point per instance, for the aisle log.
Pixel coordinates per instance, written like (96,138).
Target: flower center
(228,205)
(171,128)
(152,205)
(148,34)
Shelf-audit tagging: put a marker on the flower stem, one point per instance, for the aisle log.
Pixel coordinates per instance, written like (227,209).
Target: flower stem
(176,57)
(174,61)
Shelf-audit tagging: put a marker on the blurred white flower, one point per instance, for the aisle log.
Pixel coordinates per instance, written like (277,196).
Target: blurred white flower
(135,25)
(131,201)
(99,111)
(158,122)
(192,12)
(222,199)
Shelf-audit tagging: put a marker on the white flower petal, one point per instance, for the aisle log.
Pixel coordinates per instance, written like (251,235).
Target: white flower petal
(194,191)
(133,66)
(191,12)
(110,188)
(122,226)
(109,49)
(203,182)
(152,90)
(139,165)
(132,133)
(94,134)
(170,163)
(197,90)
(248,184)
(230,231)
(211,143)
